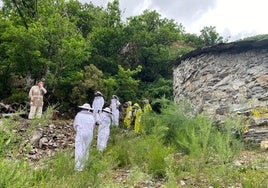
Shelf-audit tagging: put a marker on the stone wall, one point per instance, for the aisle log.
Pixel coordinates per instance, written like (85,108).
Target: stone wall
(222,83)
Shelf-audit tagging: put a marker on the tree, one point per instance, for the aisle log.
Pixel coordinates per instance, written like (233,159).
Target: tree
(149,44)
(51,47)
(26,10)
(209,36)
(127,85)
(6,68)
(83,89)
(192,40)
(70,44)
(85,16)
(107,40)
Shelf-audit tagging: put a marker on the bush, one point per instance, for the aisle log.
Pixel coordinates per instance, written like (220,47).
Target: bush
(7,136)
(17,97)
(194,135)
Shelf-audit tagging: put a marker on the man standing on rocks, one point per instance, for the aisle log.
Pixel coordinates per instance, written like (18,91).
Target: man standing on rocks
(36,94)
(84,126)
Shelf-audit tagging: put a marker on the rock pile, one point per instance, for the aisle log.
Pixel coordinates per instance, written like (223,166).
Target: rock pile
(45,141)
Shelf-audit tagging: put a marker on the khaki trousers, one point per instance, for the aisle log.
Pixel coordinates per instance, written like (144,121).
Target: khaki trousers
(35,111)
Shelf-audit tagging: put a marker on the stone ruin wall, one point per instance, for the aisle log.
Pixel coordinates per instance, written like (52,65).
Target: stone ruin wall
(226,83)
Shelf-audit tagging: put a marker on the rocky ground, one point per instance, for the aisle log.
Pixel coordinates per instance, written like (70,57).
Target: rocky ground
(43,140)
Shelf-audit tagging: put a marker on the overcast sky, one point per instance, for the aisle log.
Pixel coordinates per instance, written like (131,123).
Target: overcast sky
(234,18)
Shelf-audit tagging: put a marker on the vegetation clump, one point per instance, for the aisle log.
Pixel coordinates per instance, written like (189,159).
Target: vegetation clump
(175,148)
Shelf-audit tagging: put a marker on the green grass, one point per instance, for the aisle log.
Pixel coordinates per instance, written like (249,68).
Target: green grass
(175,146)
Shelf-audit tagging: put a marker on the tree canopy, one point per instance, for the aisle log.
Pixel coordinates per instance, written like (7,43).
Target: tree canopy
(80,48)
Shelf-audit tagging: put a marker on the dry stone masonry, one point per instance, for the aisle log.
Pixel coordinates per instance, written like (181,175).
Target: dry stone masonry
(227,79)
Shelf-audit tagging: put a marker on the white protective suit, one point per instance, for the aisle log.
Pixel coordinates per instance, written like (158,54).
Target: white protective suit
(97,106)
(84,126)
(115,110)
(104,130)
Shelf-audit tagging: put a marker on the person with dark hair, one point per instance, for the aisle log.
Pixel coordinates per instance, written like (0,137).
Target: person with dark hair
(36,94)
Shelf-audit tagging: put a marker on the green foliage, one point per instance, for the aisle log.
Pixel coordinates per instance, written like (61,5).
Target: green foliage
(209,36)
(50,47)
(7,136)
(109,86)
(194,135)
(161,87)
(145,152)
(194,151)
(193,40)
(113,18)
(156,157)
(17,97)
(21,53)
(90,81)
(13,174)
(107,40)
(256,37)
(60,40)
(122,155)
(127,84)
(151,38)
(106,46)
(86,16)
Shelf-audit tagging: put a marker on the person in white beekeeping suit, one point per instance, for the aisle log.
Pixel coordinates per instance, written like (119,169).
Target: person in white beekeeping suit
(115,104)
(84,126)
(97,105)
(104,129)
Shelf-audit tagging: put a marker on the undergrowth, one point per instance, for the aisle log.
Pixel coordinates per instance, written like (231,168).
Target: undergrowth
(175,147)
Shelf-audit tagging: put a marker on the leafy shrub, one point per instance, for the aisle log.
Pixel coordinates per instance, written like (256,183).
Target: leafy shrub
(7,136)
(144,151)
(194,135)
(17,97)
(13,174)
(121,154)
(156,155)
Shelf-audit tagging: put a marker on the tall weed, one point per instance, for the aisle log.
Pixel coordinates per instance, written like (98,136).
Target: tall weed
(195,135)
(14,174)
(44,120)
(8,136)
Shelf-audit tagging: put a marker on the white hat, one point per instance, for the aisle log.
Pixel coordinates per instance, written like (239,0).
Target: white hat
(86,106)
(115,97)
(98,93)
(107,109)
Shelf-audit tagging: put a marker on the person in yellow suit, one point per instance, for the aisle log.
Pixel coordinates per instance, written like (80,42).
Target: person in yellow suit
(137,114)
(128,118)
(147,107)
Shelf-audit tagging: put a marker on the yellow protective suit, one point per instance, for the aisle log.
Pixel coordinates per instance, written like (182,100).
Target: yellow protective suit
(128,117)
(147,108)
(138,114)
